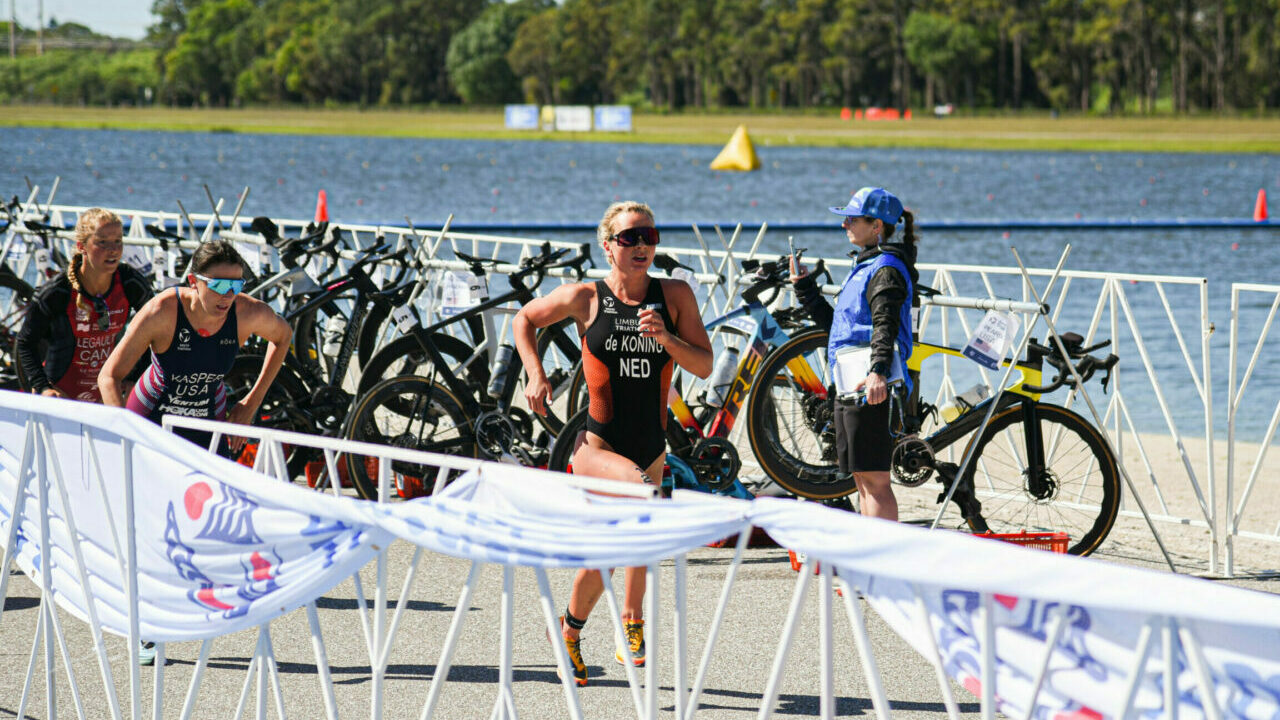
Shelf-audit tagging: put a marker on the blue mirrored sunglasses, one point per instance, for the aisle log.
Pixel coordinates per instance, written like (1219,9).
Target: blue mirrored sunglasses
(222,286)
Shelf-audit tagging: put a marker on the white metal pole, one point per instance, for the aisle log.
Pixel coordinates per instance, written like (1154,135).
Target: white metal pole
(988,661)
(744,535)
(680,638)
(784,643)
(1233,399)
(651,651)
(131,579)
(826,704)
(450,641)
(46,577)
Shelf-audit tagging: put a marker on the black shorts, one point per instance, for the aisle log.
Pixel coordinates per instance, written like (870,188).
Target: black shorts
(863,443)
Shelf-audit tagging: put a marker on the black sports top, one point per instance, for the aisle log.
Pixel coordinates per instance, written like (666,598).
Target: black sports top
(628,376)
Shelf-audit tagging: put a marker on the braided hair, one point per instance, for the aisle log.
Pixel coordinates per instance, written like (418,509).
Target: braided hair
(87,226)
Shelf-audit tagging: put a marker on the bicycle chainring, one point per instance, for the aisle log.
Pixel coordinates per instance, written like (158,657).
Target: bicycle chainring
(495,434)
(715,461)
(912,463)
(329,408)
(505,438)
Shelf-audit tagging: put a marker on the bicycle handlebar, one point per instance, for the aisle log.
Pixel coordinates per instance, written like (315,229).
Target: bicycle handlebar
(1086,368)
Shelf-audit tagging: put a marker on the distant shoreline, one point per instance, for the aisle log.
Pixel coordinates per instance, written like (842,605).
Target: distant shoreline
(1014,132)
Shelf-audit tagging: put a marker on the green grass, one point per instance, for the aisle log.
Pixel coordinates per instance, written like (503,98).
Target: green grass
(1005,132)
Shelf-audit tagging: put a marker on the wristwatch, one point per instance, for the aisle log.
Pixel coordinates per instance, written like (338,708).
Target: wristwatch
(881,368)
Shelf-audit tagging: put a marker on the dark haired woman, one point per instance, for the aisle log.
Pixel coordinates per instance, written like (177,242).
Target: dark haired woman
(75,320)
(194,334)
(872,310)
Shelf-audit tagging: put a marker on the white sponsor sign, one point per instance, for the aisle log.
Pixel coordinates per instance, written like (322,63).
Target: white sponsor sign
(573,118)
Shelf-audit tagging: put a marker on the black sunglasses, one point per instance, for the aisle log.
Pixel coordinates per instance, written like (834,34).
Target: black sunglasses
(104,313)
(636,235)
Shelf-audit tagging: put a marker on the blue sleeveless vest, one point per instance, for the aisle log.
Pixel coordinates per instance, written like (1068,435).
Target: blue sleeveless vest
(851,324)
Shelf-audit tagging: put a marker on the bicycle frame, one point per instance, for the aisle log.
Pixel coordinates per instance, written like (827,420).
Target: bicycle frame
(766,334)
(971,420)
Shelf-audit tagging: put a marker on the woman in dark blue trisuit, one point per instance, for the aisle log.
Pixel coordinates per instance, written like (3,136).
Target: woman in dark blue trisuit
(194,334)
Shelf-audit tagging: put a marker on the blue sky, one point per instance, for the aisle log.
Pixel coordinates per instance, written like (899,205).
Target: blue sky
(118,18)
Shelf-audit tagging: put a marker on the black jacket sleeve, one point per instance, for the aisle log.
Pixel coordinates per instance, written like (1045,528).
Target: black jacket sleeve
(809,296)
(886,291)
(33,340)
(137,288)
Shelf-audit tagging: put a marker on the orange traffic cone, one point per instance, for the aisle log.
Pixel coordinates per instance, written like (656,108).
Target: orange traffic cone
(322,208)
(1260,207)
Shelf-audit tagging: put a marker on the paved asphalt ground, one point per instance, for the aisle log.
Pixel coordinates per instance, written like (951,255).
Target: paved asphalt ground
(734,688)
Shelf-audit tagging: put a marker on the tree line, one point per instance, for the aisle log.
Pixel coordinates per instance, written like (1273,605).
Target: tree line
(1127,56)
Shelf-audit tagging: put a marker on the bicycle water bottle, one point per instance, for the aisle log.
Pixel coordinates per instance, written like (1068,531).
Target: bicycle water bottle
(721,377)
(501,363)
(335,329)
(964,402)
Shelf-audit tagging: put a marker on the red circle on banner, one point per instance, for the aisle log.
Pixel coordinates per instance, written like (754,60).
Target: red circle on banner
(195,498)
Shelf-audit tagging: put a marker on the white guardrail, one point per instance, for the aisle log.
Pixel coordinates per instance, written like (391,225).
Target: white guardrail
(1128,309)
(138,534)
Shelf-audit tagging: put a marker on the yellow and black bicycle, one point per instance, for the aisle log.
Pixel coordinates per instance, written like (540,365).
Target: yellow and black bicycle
(1037,466)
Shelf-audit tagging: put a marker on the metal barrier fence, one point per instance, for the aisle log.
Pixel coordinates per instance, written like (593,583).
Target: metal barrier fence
(1173,388)
(1030,634)
(1258,400)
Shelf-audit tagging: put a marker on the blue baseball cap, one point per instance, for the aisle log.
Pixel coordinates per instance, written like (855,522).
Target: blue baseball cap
(873,202)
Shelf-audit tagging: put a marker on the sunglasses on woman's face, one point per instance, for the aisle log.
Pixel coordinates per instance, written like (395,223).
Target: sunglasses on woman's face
(222,286)
(636,235)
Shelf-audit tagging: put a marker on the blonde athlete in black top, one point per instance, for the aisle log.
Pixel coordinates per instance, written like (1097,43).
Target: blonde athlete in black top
(629,364)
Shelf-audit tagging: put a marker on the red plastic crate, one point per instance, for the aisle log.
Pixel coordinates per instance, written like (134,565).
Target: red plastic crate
(1052,541)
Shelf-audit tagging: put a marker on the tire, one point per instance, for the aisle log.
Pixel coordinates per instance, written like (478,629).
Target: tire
(567,441)
(279,409)
(15,296)
(1084,494)
(405,356)
(407,412)
(791,424)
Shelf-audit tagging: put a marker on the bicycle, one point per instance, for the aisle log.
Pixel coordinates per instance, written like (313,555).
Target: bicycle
(1037,466)
(438,410)
(407,355)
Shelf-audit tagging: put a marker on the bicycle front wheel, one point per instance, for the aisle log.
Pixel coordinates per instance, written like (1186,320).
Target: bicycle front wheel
(791,419)
(407,412)
(1080,490)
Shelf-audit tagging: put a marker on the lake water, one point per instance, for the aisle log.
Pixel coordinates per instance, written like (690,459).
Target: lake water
(509,182)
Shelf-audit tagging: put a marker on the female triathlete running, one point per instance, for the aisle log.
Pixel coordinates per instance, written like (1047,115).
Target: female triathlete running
(629,346)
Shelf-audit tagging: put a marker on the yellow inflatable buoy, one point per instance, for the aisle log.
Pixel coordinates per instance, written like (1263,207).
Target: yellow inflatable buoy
(738,154)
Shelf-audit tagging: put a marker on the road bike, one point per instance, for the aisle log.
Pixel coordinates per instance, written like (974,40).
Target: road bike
(1037,466)
(436,409)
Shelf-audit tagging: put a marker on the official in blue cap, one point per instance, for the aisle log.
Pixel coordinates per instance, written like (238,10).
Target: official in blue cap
(873,310)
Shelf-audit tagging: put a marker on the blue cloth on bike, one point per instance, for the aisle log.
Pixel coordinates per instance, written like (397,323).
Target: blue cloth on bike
(852,324)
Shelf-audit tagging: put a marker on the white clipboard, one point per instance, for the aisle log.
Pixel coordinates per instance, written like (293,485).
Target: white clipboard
(851,365)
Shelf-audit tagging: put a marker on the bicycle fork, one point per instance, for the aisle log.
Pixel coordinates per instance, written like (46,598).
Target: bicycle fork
(1037,481)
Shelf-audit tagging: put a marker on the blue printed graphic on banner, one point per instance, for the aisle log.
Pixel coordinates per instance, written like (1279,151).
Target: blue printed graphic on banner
(231,519)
